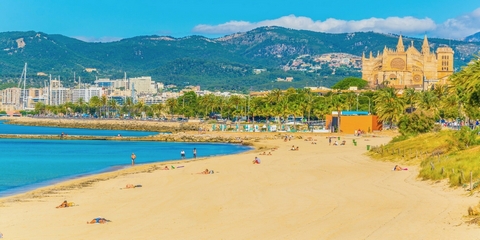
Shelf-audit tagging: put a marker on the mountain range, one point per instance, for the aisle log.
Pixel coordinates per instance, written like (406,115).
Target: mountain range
(224,63)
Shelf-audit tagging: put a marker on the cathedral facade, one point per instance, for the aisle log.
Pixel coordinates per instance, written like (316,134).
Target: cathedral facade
(409,68)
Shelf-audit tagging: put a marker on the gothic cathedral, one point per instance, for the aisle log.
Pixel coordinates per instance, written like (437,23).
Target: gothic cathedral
(409,68)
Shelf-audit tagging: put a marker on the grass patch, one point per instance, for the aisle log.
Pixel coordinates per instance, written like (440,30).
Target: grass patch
(440,155)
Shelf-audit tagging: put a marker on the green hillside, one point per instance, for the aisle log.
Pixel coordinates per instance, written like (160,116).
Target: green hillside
(225,63)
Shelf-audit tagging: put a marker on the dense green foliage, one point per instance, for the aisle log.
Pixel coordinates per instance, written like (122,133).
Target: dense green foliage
(417,122)
(348,82)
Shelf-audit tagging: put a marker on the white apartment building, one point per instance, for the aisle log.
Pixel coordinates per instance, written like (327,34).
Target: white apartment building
(11,98)
(86,93)
(142,85)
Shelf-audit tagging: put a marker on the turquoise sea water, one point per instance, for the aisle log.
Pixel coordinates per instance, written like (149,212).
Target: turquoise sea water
(32,130)
(26,164)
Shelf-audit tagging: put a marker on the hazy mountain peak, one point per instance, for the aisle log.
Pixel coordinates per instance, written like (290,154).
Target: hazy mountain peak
(473,38)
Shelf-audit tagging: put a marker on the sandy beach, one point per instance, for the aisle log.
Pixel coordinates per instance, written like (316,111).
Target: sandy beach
(318,192)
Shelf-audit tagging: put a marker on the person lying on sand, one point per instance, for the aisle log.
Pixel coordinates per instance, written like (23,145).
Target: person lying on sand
(204,172)
(269,153)
(263,153)
(398,168)
(63,205)
(98,220)
(132,186)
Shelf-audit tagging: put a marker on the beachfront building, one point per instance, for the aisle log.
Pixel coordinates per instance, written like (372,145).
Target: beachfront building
(57,94)
(35,95)
(142,85)
(350,121)
(409,67)
(10,98)
(86,93)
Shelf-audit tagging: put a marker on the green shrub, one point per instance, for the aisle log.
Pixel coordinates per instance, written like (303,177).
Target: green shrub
(417,122)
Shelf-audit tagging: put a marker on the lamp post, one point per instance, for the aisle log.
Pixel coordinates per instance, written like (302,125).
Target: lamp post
(358,95)
(357,100)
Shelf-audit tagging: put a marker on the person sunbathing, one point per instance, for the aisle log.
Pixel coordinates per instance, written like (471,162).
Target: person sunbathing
(343,142)
(269,153)
(204,172)
(263,153)
(63,205)
(99,220)
(398,168)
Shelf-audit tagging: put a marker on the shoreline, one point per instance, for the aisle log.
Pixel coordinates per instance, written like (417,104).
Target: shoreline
(37,189)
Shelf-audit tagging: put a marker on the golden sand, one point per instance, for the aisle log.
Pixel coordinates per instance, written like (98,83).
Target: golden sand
(318,192)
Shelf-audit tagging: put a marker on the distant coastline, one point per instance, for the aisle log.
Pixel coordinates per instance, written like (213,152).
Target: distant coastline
(178,132)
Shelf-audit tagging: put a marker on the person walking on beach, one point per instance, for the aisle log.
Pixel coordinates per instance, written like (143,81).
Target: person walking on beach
(194,153)
(182,153)
(133,158)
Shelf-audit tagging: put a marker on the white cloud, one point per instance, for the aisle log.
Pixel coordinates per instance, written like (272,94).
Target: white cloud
(98,39)
(460,27)
(456,28)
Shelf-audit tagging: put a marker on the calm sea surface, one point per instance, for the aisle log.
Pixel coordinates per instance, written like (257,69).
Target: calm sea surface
(32,130)
(26,164)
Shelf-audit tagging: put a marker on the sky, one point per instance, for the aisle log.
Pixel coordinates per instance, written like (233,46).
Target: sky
(112,20)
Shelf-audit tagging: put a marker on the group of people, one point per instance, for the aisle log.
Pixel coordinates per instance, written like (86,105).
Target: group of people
(342,143)
(294,148)
(99,220)
(182,155)
(264,153)
(358,132)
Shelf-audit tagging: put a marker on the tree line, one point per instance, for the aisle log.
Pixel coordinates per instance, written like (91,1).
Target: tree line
(412,111)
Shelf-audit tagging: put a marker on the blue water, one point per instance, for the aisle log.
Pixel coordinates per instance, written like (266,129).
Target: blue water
(33,130)
(26,164)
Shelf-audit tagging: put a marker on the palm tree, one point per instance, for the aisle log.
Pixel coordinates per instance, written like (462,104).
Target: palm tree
(112,105)
(104,102)
(95,103)
(429,101)
(467,86)
(274,98)
(388,106)
(410,97)
(171,105)
(234,102)
(127,106)
(338,103)
(158,109)
(40,108)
